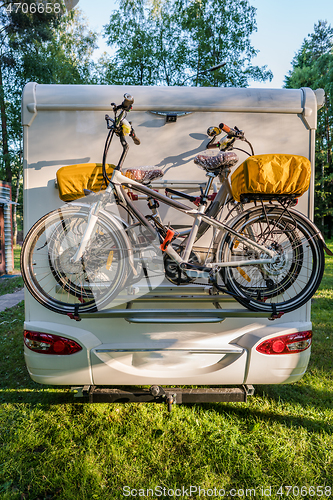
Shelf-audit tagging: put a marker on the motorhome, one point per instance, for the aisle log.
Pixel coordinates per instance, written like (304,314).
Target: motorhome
(173,335)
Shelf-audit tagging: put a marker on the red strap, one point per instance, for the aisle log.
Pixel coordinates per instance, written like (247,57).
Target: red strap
(211,197)
(167,240)
(276,316)
(74,316)
(133,196)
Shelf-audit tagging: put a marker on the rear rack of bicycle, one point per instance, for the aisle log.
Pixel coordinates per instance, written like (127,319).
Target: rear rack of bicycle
(194,295)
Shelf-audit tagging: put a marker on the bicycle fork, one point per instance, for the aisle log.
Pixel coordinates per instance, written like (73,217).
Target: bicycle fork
(91,223)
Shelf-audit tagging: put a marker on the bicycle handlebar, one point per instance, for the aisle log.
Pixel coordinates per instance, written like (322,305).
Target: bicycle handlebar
(227,142)
(127,102)
(119,124)
(126,105)
(232,132)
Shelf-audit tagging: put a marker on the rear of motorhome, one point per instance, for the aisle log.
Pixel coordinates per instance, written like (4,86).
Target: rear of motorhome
(172,335)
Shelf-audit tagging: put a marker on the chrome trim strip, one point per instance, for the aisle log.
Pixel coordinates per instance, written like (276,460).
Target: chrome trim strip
(226,350)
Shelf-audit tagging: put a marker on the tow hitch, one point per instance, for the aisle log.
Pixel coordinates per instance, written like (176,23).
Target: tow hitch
(168,395)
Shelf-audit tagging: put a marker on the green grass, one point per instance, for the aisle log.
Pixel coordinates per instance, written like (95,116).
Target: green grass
(17,254)
(54,448)
(10,285)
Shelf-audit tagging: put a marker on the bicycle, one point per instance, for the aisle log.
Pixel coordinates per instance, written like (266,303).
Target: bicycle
(85,256)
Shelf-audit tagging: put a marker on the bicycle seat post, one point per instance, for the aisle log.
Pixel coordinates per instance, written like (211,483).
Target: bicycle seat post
(210,176)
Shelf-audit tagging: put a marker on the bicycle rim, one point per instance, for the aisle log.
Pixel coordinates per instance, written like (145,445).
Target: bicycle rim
(288,283)
(61,285)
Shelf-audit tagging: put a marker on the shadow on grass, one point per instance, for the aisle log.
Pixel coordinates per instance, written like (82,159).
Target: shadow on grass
(269,416)
(280,403)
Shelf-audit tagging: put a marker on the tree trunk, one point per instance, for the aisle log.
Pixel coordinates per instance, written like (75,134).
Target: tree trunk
(328,132)
(328,157)
(198,67)
(15,209)
(322,187)
(4,131)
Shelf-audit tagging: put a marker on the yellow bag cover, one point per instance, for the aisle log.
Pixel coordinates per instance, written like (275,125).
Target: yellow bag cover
(73,179)
(271,174)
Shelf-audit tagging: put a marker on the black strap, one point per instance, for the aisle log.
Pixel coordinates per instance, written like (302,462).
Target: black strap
(274,310)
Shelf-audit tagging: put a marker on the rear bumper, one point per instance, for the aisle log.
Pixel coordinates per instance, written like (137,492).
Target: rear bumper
(226,358)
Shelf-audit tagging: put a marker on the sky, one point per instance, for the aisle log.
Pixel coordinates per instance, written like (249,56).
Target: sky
(282,26)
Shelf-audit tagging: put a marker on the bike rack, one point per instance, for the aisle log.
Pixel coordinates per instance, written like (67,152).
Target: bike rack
(181,315)
(181,184)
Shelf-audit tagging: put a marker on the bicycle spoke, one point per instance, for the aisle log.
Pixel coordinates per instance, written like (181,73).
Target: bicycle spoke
(296,271)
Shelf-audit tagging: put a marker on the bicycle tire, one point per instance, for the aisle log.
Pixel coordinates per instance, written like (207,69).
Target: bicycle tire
(285,285)
(87,286)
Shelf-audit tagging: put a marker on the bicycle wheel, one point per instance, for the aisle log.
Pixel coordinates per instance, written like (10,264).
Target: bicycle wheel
(292,279)
(63,286)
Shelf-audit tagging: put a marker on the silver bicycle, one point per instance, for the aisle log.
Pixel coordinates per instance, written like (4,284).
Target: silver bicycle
(85,255)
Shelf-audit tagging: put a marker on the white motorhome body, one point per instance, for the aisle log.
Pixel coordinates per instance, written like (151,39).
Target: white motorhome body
(64,125)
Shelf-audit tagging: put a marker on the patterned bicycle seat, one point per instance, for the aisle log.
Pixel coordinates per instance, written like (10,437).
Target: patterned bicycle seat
(216,162)
(143,174)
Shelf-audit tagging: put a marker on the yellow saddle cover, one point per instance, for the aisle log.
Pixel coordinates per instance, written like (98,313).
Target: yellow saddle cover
(272,174)
(73,179)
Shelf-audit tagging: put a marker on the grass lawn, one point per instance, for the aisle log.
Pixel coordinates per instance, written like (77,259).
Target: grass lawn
(10,285)
(17,254)
(53,448)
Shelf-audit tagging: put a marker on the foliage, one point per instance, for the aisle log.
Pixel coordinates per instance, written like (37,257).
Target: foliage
(40,47)
(19,34)
(173,42)
(313,67)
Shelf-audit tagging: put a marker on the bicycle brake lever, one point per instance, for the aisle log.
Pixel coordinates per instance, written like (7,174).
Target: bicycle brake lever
(134,137)
(240,134)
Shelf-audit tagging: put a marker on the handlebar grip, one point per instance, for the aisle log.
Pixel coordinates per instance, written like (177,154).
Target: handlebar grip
(232,132)
(225,128)
(127,102)
(136,140)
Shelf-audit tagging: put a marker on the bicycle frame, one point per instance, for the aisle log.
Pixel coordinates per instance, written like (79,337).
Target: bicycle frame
(118,180)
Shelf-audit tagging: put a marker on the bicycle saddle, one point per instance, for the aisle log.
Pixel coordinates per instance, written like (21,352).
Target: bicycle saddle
(143,174)
(214,163)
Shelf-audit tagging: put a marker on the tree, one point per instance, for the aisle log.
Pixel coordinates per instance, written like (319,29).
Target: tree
(53,47)
(18,33)
(172,42)
(312,67)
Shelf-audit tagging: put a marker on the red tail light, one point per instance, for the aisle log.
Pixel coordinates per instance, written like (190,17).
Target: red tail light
(286,344)
(47,343)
